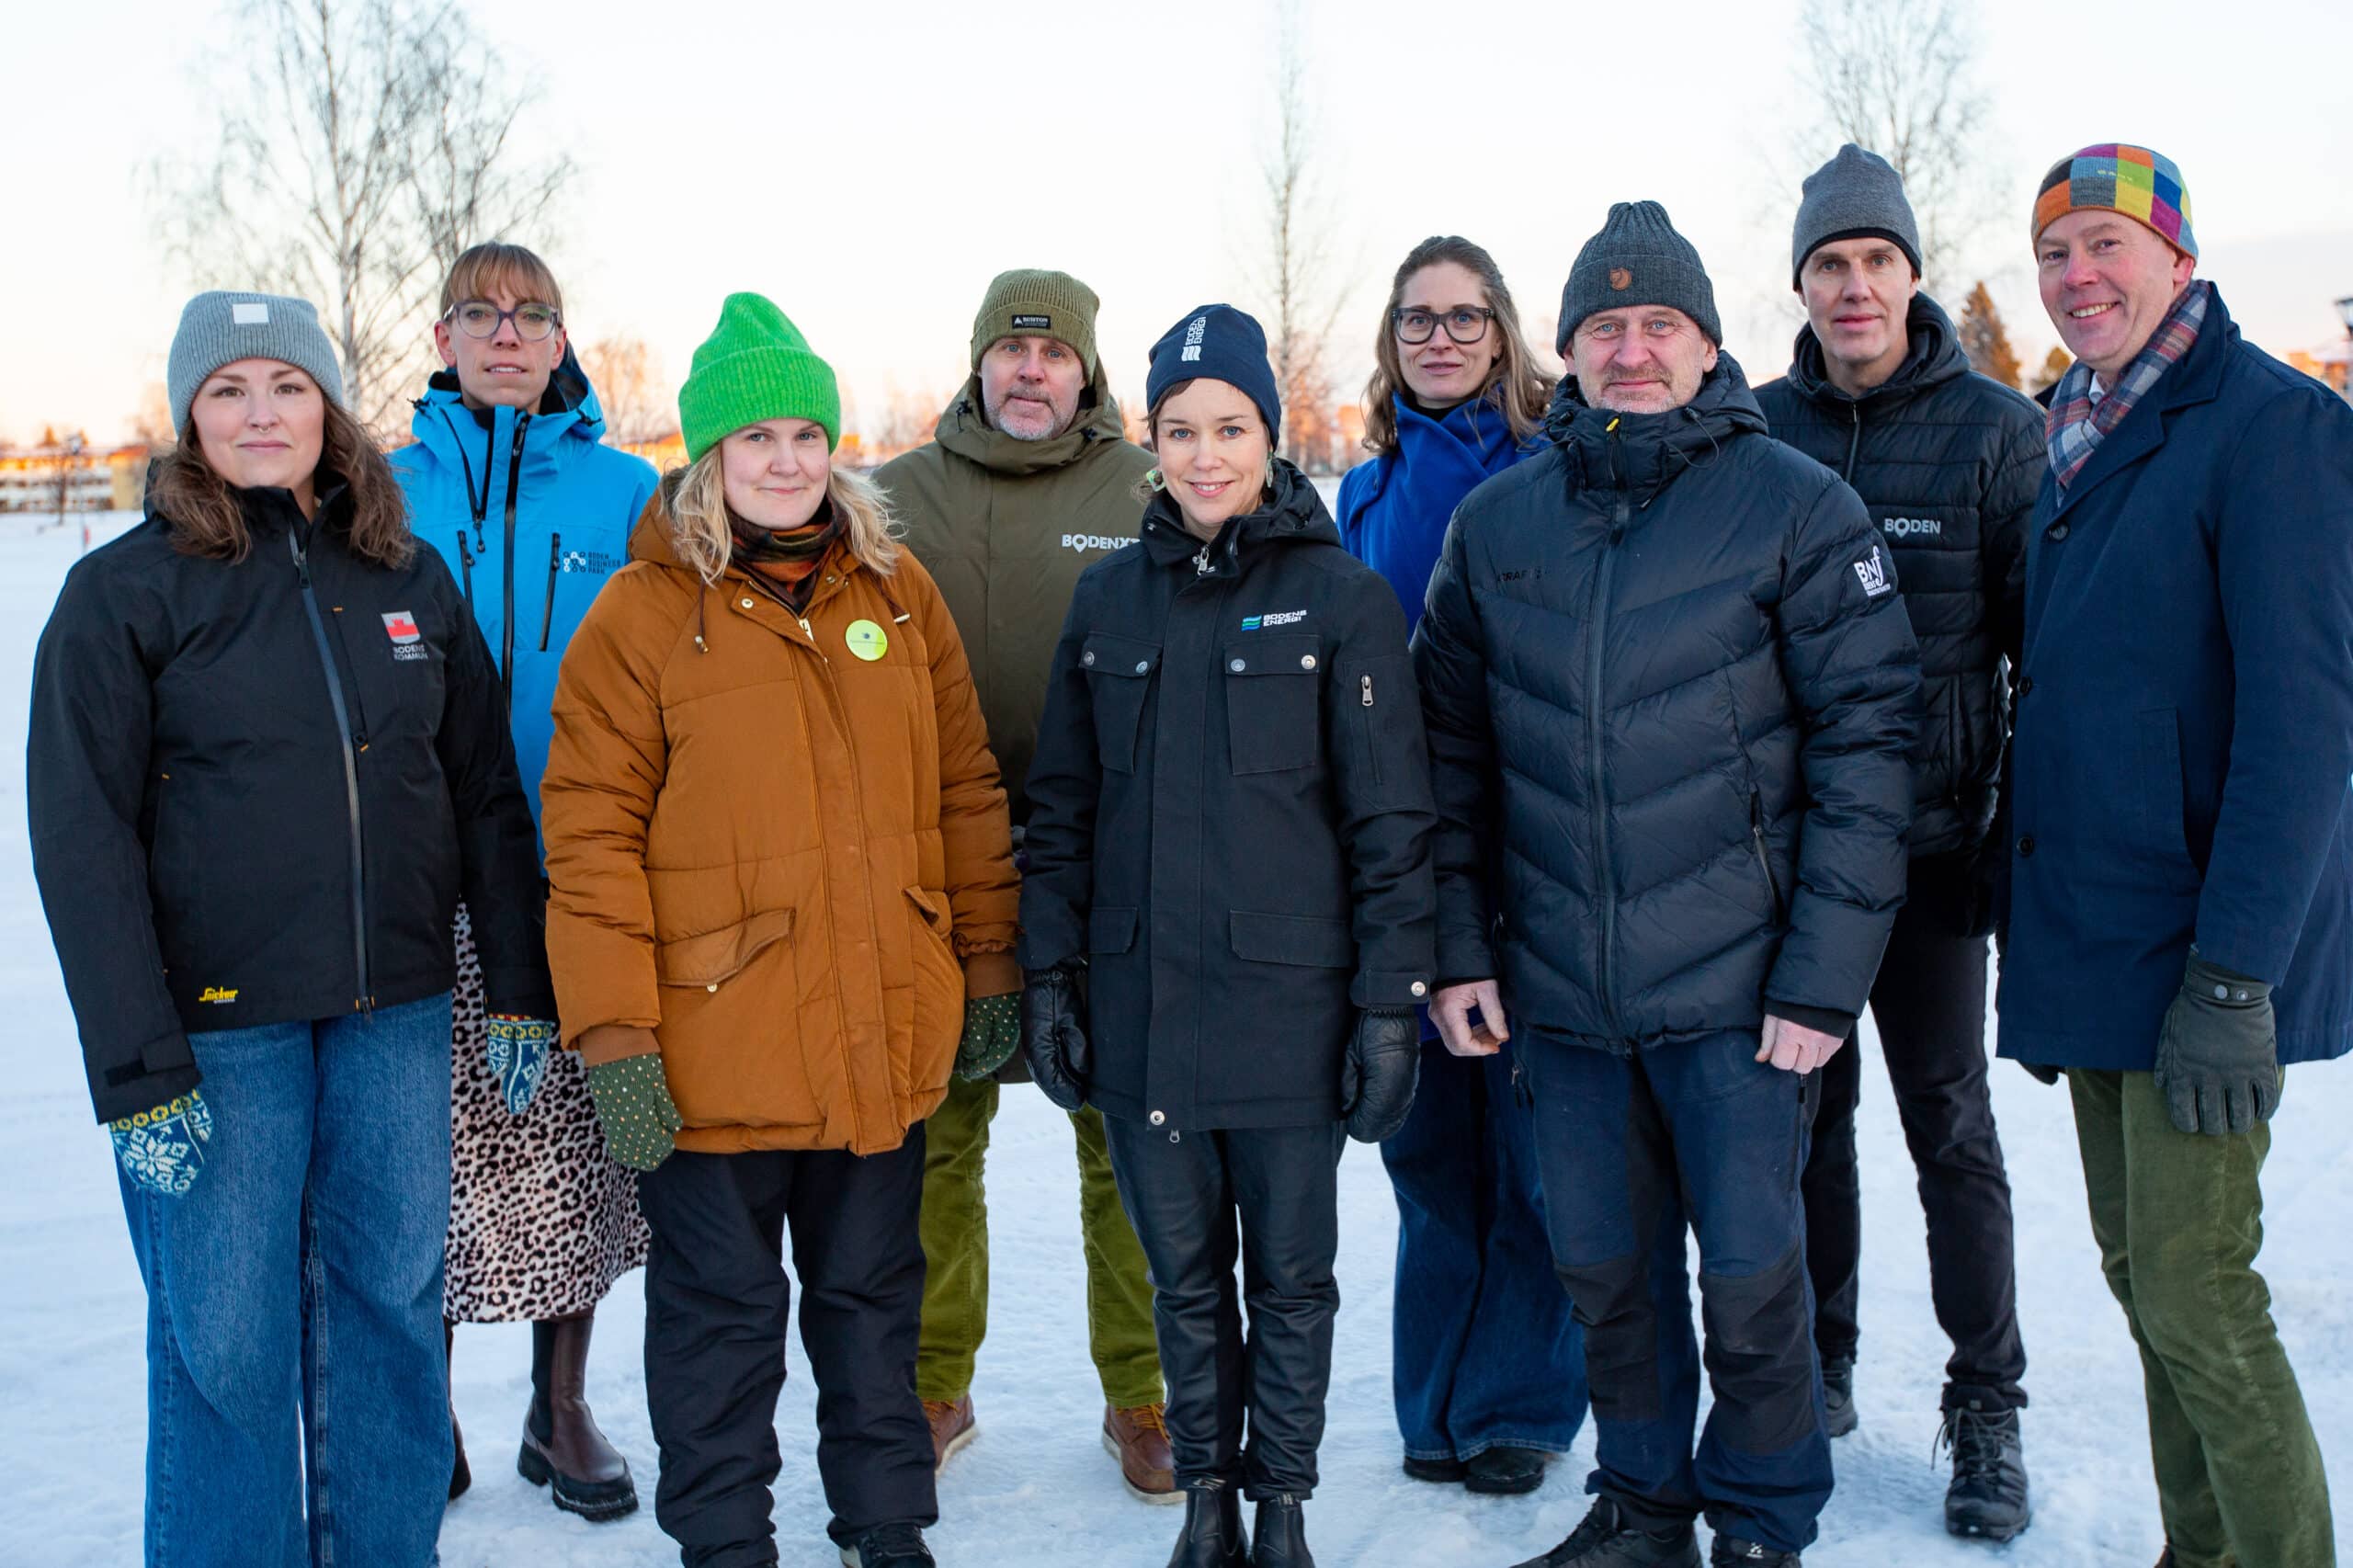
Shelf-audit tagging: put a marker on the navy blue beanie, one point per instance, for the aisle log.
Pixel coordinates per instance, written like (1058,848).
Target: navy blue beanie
(1224,345)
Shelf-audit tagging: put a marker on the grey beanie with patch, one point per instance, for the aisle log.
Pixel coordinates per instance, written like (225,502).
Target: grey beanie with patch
(1856,195)
(1637,259)
(222,326)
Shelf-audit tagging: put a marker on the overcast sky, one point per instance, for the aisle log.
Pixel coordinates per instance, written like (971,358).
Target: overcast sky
(871,166)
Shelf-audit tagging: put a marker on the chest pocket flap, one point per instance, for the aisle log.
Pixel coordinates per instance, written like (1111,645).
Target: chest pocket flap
(1273,700)
(1119,673)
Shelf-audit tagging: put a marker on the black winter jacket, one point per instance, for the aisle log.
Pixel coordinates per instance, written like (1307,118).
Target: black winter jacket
(258,789)
(1670,694)
(1230,816)
(1948,462)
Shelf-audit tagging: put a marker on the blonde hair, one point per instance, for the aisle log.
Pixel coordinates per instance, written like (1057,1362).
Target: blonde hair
(1516,387)
(486,270)
(694,497)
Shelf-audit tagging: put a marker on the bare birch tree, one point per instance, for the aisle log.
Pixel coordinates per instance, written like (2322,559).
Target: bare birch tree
(628,379)
(1295,265)
(1900,79)
(365,144)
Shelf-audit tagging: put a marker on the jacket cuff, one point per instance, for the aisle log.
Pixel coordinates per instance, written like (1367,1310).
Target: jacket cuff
(524,995)
(992,974)
(1828,1020)
(615,1043)
(1389,991)
(161,1071)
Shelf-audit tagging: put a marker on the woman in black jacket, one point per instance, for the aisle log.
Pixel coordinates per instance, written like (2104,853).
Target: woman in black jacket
(1229,844)
(268,753)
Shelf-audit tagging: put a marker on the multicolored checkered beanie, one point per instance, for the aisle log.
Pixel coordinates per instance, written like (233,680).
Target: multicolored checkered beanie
(2143,185)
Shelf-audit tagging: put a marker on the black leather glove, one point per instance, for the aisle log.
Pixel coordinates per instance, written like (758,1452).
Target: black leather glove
(1053,1035)
(1379,1073)
(2218,1052)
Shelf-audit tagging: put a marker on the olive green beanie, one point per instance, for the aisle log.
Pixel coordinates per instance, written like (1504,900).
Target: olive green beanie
(754,365)
(1031,303)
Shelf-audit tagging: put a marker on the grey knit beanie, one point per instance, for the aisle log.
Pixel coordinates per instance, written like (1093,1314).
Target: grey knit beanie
(1854,196)
(1637,259)
(222,326)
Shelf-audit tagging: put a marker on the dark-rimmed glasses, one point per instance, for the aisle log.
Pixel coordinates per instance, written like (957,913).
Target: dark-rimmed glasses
(1464,323)
(480,318)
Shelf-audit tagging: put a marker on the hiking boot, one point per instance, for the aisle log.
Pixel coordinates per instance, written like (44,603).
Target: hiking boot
(563,1448)
(1839,1398)
(1505,1472)
(1279,1535)
(1988,1494)
(888,1546)
(1213,1535)
(952,1427)
(1137,1438)
(1449,1472)
(462,1474)
(1607,1538)
(1731,1552)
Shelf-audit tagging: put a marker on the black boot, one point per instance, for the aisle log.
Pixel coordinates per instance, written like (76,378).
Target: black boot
(888,1546)
(1731,1552)
(1988,1494)
(1839,1398)
(1212,1537)
(563,1448)
(462,1475)
(1609,1538)
(1279,1535)
(1505,1471)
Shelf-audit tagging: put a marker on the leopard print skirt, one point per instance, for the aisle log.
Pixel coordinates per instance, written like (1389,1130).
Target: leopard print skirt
(541,1220)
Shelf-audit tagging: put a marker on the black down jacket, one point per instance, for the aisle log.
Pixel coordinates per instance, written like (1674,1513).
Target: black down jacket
(1230,816)
(1948,462)
(258,789)
(1671,694)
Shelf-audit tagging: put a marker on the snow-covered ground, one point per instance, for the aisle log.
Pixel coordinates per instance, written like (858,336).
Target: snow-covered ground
(1037,1488)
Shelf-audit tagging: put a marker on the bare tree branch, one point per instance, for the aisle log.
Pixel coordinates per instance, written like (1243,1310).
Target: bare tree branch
(1294,270)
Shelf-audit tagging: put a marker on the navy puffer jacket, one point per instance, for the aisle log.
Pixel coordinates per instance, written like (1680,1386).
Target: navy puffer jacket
(1671,695)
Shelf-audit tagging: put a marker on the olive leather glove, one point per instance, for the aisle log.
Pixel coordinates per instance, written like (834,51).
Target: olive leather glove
(1053,1035)
(1379,1074)
(2218,1052)
(162,1151)
(633,1104)
(991,1034)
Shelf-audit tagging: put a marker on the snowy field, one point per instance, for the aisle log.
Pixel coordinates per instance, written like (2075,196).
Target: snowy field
(1037,1488)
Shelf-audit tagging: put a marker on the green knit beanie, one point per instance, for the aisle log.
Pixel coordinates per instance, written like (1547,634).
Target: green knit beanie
(754,365)
(1030,302)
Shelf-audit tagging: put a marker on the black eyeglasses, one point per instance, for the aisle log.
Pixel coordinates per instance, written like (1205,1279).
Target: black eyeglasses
(480,318)
(1464,323)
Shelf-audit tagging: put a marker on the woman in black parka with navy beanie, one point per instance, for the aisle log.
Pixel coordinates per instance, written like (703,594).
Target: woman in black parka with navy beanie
(1228,914)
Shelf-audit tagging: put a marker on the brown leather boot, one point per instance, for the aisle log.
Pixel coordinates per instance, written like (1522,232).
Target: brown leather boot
(1137,1438)
(462,1475)
(562,1449)
(952,1427)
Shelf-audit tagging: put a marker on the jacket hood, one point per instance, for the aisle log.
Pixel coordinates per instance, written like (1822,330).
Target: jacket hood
(964,429)
(1295,514)
(1643,452)
(1934,358)
(569,407)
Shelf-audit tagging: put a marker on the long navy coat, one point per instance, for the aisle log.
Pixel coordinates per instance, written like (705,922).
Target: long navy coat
(2185,718)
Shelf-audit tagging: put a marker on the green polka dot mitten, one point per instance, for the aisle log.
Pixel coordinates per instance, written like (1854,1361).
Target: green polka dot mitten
(991,1034)
(633,1104)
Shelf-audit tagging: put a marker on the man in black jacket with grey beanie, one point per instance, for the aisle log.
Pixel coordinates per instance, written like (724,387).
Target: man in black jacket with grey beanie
(1670,696)
(1948,462)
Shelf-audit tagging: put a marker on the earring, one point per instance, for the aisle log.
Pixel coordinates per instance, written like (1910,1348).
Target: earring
(1153,479)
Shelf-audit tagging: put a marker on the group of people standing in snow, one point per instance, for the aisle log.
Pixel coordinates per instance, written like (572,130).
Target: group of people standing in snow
(1548,818)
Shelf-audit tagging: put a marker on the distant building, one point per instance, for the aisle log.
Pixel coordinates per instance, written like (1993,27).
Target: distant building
(2331,362)
(98,478)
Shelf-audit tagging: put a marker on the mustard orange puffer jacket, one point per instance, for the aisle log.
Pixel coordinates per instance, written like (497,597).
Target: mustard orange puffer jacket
(786,859)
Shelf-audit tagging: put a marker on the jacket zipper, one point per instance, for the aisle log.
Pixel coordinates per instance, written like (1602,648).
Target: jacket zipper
(350,770)
(547,610)
(1371,740)
(466,566)
(1763,863)
(1598,626)
(1854,439)
(507,621)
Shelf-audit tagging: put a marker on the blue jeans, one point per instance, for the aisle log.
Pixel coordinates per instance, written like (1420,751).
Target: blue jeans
(296,1392)
(1692,1134)
(1486,1351)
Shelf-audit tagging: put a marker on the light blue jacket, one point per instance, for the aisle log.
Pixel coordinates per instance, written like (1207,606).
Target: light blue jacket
(533,514)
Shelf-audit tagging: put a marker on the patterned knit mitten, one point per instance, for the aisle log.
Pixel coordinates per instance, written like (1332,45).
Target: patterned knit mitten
(162,1150)
(991,1034)
(633,1104)
(519,1057)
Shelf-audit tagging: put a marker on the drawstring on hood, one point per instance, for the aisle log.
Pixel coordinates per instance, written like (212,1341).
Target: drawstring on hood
(1642,453)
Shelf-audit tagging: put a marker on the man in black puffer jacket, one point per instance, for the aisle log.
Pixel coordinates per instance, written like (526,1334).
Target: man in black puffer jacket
(1671,696)
(1948,461)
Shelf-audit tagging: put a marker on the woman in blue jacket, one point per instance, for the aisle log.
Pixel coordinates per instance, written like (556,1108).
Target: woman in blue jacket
(1488,1368)
(508,481)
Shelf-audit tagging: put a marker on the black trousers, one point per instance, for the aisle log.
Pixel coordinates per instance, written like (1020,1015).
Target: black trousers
(1930,1004)
(1185,1194)
(718,1306)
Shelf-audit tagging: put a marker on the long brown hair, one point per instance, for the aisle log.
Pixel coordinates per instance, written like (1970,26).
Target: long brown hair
(1518,388)
(207,520)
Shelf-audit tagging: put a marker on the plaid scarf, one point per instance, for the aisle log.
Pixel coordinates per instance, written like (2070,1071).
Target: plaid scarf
(2076,426)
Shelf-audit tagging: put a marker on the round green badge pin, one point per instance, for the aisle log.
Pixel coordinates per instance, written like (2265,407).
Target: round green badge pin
(867,639)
